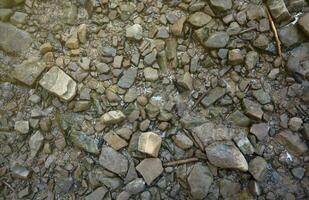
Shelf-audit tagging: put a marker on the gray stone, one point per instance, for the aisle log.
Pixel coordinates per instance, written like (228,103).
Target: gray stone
(185,81)
(136,186)
(260,131)
(35,143)
(254,188)
(244,143)
(10,3)
(114,140)
(199,19)
(213,96)
(108,51)
(292,142)
(151,74)
(14,40)
(297,61)
(18,18)
(258,168)
(295,123)
(150,58)
(22,126)
(113,161)
(225,154)
(134,32)
(124,195)
(84,142)
(290,35)
(298,172)
(59,83)
(261,96)
(182,141)
(253,109)
(228,189)
(112,117)
(199,180)
(278,10)
(261,42)
(5,14)
(221,5)
(217,40)
(162,33)
(150,169)
(128,78)
(81,106)
(177,27)
(303,22)
(239,119)
(131,95)
(97,194)
(20,171)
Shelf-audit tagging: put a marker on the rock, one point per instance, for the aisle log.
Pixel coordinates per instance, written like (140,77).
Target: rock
(81,106)
(162,33)
(124,132)
(114,140)
(252,58)
(217,40)
(260,131)
(9,3)
(150,169)
(108,51)
(97,194)
(295,123)
(261,42)
(185,81)
(199,180)
(278,10)
(292,142)
(28,71)
(261,96)
(14,40)
(35,143)
(149,143)
(131,95)
(177,27)
(22,126)
(298,172)
(199,19)
(117,61)
(151,74)
(290,35)
(136,186)
(112,117)
(182,141)
(82,33)
(18,18)
(303,22)
(213,96)
(113,161)
(253,109)
(20,171)
(5,14)
(297,63)
(124,195)
(258,168)
(239,119)
(221,5)
(59,83)
(128,78)
(224,154)
(82,141)
(235,57)
(72,42)
(134,32)
(46,47)
(254,188)
(228,189)
(243,143)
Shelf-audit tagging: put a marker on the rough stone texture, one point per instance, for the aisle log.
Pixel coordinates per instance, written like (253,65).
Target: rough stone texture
(112,117)
(150,169)
(149,143)
(22,126)
(260,131)
(221,5)
(292,142)
(303,22)
(213,96)
(278,10)
(185,81)
(81,140)
(59,83)
(113,161)
(253,109)
(151,74)
(128,78)
(239,119)
(182,141)
(136,186)
(258,168)
(224,154)
(97,194)
(20,171)
(199,19)
(217,40)
(228,189)
(36,143)
(134,32)
(114,140)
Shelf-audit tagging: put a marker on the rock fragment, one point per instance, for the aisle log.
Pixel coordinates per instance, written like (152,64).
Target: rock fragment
(217,40)
(177,27)
(278,10)
(128,78)
(134,32)
(199,19)
(150,169)
(151,74)
(213,96)
(114,140)
(244,143)
(253,109)
(182,141)
(81,140)
(20,171)
(113,161)
(97,194)
(239,119)
(228,189)
(258,168)
(292,142)
(149,143)
(185,81)
(35,143)
(221,5)
(260,131)
(303,22)
(112,117)
(136,186)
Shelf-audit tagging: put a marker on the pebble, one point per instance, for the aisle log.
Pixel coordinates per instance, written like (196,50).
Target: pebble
(136,186)
(35,143)
(22,127)
(112,117)
(182,141)
(5,14)
(261,96)
(128,78)
(295,123)
(292,142)
(185,81)
(177,27)
(244,143)
(235,57)
(298,172)
(228,189)
(114,140)
(134,32)
(85,142)
(72,43)
(221,5)
(18,18)
(258,168)
(113,161)
(199,19)
(239,119)
(150,169)
(149,143)
(151,74)
(217,40)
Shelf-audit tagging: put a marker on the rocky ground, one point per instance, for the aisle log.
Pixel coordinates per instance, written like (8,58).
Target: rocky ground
(98,98)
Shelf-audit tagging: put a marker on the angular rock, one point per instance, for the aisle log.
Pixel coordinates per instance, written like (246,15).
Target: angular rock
(177,27)
(20,171)
(199,180)
(185,81)
(112,117)
(113,161)
(136,186)
(295,123)
(59,83)
(253,109)
(244,143)
(149,143)
(213,96)
(303,22)
(297,63)
(151,74)
(22,126)
(97,194)
(221,5)
(239,119)
(298,172)
(260,131)
(72,42)
(217,40)
(292,142)
(182,141)
(228,189)
(150,169)
(225,154)
(235,57)
(128,78)
(278,10)
(252,59)
(199,19)
(134,32)
(5,14)
(18,18)
(82,141)
(108,51)
(258,168)
(114,140)
(35,143)
(261,96)
(290,35)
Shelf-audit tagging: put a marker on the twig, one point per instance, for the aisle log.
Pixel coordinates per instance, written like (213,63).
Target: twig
(9,186)
(247,30)
(199,100)
(179,162)
(275,31)
(196,140)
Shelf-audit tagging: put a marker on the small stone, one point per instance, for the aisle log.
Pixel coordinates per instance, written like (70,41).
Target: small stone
(185,81)
(131,95)
(5,14)
(18,18)
(253,109)
(136,186)
(124,195)
(177,27)
(225,154)
(35,143)
(303,22)
(108,51)
(228,189)
(102,68)
(258,168)
(59,83)
(254,188)
(24,192)
(162,33)
(292,142)
(134,32)
(117,61)
(278,10)
(239,119)
(235,57)
(128,78)
(124,133)
(213,96)
(295,123)
(82,141)
(261,42)
(22,126)
(182,141)
(151,74)
(244,143)
(20,171)
(260,131)
(82,33)
(261,96)
(113,161)
(221,5)
(199,180)
(217,40)
(112,117)
(114,140)
(199,19)
(81,106)
(298,172)
(149,143)
(97,194)
(72,43)
(150,169)
(252,59)
(46,47)
(290,35)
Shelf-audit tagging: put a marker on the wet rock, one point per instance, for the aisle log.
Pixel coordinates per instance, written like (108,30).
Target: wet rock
(217,40)
(150,169)
(14,40)
(224,154)
(221,5)
(292,142)
(22,126)
(290,35)
(261,96)
(59,83)
(199,180)
(97,194)
(151,74)
(149,143)
(134,32)
(303,22)
(113,161)
(82,141)
(182,141)
(177,27)
(114,140)
(239,119)
(298,172)
(228,189)
(260,131)
(199,19)
(258,168)
(185,81)
(278,10)
(35,143)
(128,78)
(253,109)
(136,186)
(112,117)
(20,171)
(213,96)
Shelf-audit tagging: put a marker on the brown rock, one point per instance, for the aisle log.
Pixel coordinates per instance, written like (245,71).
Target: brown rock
(114,140)
(177,27)
(150,169)
(149,143)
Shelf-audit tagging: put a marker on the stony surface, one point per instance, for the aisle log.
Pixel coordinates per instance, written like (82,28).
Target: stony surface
(113,161)
(149,143)
(150,169)
(112,117)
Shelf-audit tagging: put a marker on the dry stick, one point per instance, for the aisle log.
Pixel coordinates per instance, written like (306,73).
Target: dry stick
(191,138)
(199,100)
(196,140)
(9,186)
(275,31)
(179,162)
(247,30)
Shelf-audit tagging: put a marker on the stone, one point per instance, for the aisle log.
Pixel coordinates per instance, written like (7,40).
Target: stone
(228,189)
(59,83)
(239,119)
(84,142)
(254,188)
(297,64)
(128,78)
(221,5)
(113,161)
(112,117)
(261,96)
(278,10)
(295,123)
(108,51)
(290,35)
(124,195)
(81,106)
(114,140)
(22,126)
(124,132)
(185,81)
(200,180)
(162,33)
(149,143)
(20,171)
(72,42)
(303,22)
(182,141)
(28,71)
(102,68)
(244,143)
(292,142)
(235,57)
(177,27)
(14,40)
(136,186)
(5,14)
(97,194)
(261,42)
(253,109)
(117,61)
(151,74)
(225,154)
(199,19)
(18,18)
(46,47)
(217,40)
(134,32)
(213,95)
(260,131)
(150,169)
(298,172)
(258,168)
(82,33)
(35,143)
